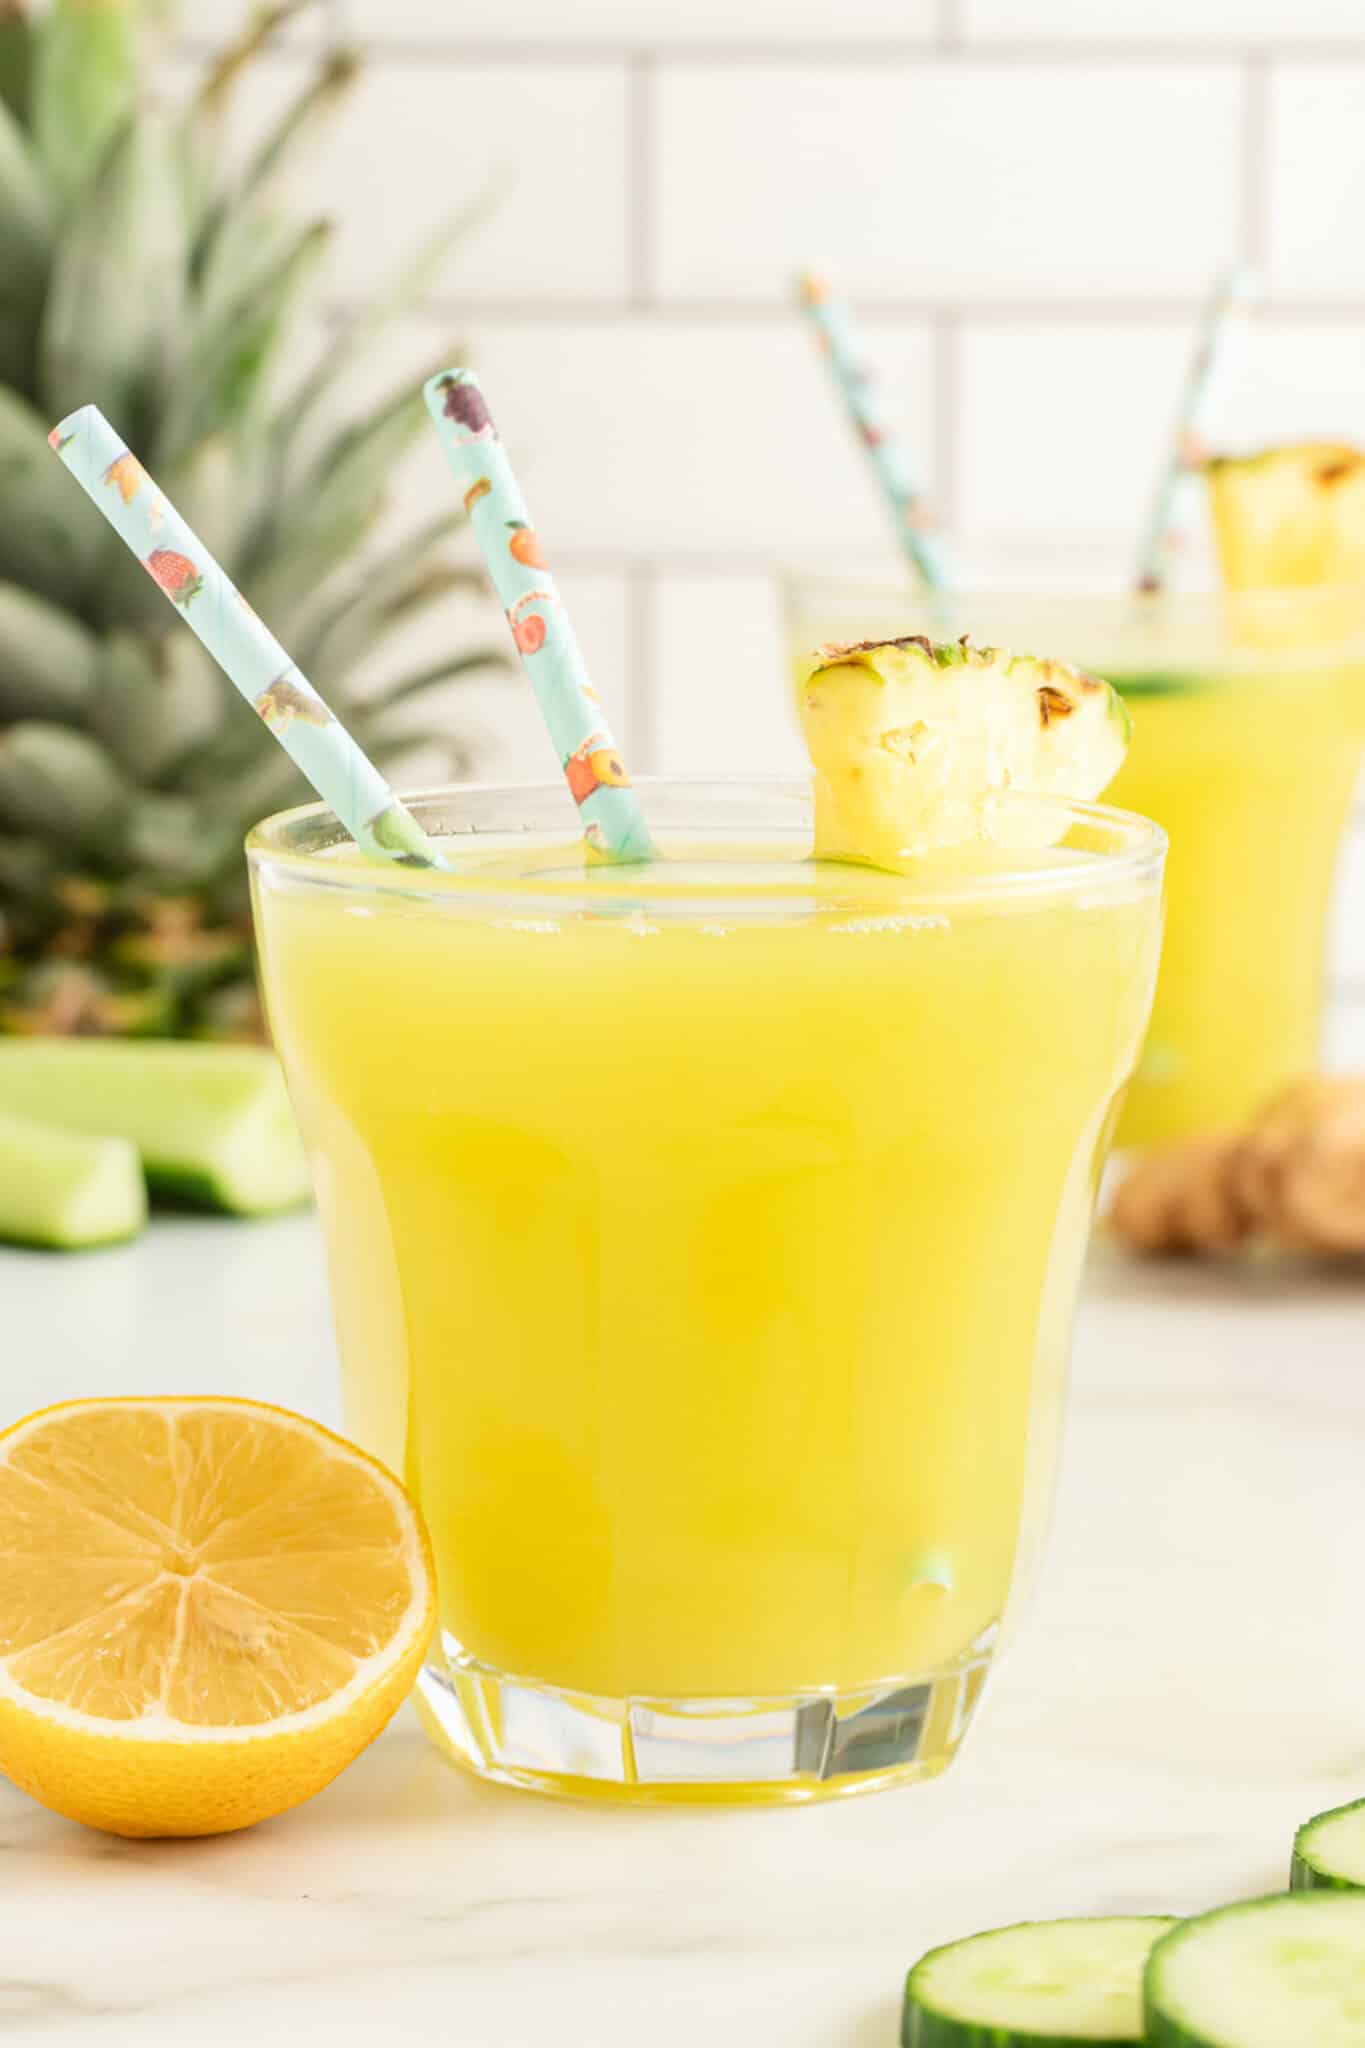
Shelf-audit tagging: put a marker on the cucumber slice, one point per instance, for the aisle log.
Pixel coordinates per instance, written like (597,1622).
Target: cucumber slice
(1329,1851)
(212,1122)
(65,1193)
(1041,1984)
(1283,1972)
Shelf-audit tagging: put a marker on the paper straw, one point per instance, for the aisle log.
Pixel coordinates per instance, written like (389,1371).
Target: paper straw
(1175,502)
(251,657)
(612,819)
(853,377)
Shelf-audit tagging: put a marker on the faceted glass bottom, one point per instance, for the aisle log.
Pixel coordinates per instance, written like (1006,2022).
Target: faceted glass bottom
(806,1746)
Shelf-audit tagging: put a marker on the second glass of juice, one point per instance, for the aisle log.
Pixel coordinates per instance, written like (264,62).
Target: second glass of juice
(1248,717)
(703,1241)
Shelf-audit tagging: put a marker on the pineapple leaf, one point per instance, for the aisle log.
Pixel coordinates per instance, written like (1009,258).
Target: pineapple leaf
(235,59)
(28,870)
(26,212)
(459,668)
(25,245)
(307,115)
(268,785)
(222,379)
(153,700)
(117,283)
(251,246)
(47,660)
(330,510)
(362,332)
(212,486)
(390,751)
(338,634)
(16,57)
(328,514)
(83,88)
(309,111)
(46,540)
(61,786)
(171,836)
(201,136)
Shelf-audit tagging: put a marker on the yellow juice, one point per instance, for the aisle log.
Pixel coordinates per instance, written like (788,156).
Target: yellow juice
(703,1237)
(1252,775)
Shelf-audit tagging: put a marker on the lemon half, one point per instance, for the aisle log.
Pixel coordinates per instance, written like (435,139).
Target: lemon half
(208,1608)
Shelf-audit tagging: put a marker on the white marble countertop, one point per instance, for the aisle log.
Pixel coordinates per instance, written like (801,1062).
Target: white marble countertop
(1190,1684)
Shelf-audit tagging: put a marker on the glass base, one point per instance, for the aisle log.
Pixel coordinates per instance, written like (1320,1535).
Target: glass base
(805,1746)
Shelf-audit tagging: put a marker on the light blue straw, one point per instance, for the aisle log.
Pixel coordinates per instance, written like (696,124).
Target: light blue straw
(244,648)
(590,758)
(1175,501)
(885,451)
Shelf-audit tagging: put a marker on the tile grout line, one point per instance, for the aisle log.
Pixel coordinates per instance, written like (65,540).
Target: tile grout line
(1253,168)
(682,311)
(639,181)
(946,41)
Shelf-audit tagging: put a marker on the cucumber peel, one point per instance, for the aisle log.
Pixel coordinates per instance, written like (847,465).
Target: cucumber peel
(1264,1974)
(212,1123)
(1157,683)
(1040,1984)
(1329,1851)
(63,1192)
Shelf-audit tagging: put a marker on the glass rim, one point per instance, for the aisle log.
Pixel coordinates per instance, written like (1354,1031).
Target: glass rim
(1311,624)
(790,573)
(294,845)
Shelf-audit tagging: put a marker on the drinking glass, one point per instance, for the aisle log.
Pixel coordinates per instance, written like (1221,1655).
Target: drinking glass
(703,1240)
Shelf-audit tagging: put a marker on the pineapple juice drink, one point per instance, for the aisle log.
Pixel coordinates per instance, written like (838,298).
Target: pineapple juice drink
(1248,715)
(1252,773)
(703,1241)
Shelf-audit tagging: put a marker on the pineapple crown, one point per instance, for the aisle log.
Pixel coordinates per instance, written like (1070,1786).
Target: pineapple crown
(140,273)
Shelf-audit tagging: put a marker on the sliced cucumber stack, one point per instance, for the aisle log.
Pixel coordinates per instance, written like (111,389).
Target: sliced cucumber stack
(1283,1972)
(1329,1851)
(1042,1984)
(62,1192)
(212,1122)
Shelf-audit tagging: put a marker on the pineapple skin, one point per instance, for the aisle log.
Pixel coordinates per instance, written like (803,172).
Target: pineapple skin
(141,276)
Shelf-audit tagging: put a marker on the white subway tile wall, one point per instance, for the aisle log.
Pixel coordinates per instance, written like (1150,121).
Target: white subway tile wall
(956,180)
(1025,199)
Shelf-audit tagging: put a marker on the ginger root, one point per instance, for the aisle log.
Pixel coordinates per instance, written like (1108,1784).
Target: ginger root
(1295,1178)
(1184,1198)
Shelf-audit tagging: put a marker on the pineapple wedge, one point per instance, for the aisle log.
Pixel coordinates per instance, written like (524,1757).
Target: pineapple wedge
(913,744)
(1290,516)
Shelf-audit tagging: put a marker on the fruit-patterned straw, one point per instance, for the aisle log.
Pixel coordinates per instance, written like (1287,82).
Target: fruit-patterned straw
(843,351)
(1174,506)
(250,655)
(612,819)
